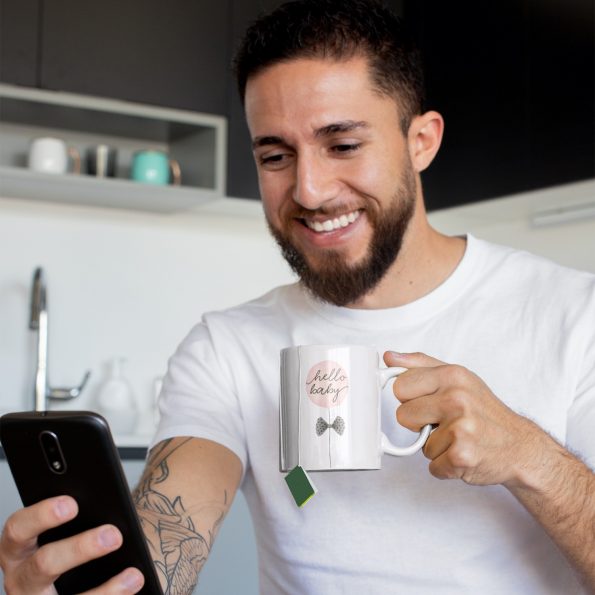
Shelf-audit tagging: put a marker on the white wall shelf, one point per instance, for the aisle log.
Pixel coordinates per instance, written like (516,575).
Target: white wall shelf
(197,141)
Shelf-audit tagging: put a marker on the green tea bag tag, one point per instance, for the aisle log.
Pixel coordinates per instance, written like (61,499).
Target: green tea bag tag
(300,485)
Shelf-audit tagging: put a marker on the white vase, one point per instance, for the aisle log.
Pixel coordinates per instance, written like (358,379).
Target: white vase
(116,401)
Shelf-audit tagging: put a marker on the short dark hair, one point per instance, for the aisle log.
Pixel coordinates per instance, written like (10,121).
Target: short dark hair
(339,30)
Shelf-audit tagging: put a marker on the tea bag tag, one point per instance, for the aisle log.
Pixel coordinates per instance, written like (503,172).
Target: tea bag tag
(300,485)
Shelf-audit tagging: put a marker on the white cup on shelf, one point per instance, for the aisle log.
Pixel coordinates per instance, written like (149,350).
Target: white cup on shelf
(49,155)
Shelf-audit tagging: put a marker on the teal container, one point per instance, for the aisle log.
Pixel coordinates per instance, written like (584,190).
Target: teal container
(150,167)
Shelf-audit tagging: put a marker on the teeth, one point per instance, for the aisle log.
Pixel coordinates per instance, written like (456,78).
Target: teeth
(332,224)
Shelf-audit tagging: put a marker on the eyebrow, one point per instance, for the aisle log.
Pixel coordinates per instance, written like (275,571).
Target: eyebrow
(343,126)
(328,130)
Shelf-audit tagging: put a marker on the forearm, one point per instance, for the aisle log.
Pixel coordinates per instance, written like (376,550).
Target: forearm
(559,491)
(181,507)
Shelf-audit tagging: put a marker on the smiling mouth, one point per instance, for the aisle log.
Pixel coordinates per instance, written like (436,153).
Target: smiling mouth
(332,224)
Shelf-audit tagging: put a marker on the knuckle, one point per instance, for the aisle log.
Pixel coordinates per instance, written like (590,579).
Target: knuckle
(456,402)
(464,430)
(42,563)
(82,547)
(10,533)
(456,374)
(461,458)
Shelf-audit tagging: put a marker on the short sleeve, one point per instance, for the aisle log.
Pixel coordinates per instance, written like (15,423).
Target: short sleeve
(198,399)
(581,415)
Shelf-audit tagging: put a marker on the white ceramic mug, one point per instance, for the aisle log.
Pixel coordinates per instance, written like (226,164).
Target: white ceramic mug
(329,410)
(50,155)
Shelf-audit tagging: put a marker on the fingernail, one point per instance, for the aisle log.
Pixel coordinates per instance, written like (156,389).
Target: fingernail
(63,508)
(397,354)
(108,537)
(132,579)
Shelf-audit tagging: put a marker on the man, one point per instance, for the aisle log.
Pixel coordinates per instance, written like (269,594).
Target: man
(333,96)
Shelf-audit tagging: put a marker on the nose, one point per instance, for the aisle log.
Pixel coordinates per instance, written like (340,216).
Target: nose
(315,182)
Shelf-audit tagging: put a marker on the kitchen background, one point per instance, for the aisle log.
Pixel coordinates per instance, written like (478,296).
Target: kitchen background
(515,83)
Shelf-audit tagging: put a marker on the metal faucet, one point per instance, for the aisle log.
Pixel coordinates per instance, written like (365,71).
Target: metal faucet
(38,321)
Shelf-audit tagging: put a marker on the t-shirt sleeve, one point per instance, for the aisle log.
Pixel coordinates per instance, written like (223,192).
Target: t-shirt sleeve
(581,415)
(198,399)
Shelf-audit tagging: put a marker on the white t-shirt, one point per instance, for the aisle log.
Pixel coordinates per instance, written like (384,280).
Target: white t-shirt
(523,324)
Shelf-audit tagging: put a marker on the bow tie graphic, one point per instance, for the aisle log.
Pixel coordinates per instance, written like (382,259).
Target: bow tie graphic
(338,425)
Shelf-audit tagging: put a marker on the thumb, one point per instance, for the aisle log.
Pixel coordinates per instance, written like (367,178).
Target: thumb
(411,360)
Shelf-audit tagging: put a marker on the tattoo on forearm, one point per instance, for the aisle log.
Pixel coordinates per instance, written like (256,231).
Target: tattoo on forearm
(179,551)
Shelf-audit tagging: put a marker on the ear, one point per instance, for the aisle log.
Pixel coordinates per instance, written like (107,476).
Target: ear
(424,138)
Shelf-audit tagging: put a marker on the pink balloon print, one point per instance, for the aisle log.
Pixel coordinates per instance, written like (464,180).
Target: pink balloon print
(327,384)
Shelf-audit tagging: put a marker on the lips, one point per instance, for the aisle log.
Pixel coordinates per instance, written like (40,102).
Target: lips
(332,224)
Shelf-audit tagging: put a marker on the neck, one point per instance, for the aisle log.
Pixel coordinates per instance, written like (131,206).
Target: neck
(426,259)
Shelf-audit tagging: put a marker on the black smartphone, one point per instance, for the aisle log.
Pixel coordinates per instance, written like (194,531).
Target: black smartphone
(72,453)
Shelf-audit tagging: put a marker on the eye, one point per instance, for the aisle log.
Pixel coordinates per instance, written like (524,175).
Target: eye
(274,160)
(346,148)
(271,159)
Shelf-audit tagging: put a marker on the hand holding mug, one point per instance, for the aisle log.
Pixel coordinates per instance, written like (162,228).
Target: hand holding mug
(330,409)
(478,438)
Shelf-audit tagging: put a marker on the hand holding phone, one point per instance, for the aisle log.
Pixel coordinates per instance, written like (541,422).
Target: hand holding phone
(28,570)
(72,453)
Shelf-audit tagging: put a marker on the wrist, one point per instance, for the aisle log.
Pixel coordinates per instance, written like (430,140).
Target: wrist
(535,463)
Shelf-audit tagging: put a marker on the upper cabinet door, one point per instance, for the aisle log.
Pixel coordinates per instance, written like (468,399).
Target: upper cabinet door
(514,81)
(19,42)
(172,53)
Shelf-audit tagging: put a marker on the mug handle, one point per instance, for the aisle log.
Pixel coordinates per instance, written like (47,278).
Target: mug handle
(176,172)
(76,160)
(386,445)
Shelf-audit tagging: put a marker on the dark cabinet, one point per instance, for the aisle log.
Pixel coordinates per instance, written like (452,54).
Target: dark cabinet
(19,42)
(514,81)
(172,54)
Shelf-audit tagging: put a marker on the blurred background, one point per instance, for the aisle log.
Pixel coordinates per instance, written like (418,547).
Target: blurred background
(130,267)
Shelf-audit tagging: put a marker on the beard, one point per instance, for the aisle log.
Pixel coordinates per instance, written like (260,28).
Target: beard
(336,281)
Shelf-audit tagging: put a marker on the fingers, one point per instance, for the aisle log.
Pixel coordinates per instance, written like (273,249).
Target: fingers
(417,413)
(420,382)
(410,360)
(21,530)
(423,376)
(437,396)
(453,456)
(53,559)
(28,569)
(130,580)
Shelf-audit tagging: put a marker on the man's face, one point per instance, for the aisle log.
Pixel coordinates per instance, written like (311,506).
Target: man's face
(335,177)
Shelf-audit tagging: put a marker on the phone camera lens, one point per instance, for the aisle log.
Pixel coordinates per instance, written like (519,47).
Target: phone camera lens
(52,452)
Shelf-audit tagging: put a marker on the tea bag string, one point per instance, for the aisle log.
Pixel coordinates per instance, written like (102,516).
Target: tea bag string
(299,419)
